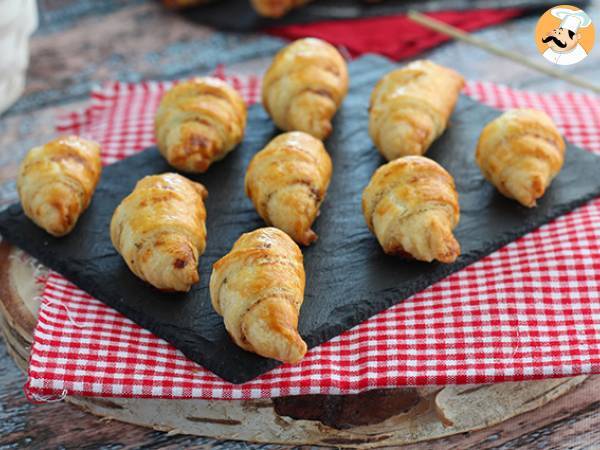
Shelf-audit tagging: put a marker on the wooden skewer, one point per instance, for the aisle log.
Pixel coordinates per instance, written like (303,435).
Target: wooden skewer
(457,33)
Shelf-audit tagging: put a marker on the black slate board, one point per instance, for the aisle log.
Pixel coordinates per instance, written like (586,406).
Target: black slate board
(348,277)
(238,15)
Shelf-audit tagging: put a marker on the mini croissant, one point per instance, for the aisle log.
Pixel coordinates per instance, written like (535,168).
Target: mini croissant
(520,153)
(287,182)
(56,182)
(304,86)
(258,288)
(198,122)
(410,108)
(276,8)
(160,230)
(411,205)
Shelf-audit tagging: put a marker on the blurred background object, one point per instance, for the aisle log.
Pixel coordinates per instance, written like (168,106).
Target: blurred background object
(359,26)
(18,20)
(276,8)
(254,15)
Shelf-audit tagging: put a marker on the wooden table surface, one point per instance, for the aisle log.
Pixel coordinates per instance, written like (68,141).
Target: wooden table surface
(82,43)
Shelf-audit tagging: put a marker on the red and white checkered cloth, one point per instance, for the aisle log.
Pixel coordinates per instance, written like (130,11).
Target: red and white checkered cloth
(530,310)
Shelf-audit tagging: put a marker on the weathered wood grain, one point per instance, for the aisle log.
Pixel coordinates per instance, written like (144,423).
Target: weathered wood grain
(572,421)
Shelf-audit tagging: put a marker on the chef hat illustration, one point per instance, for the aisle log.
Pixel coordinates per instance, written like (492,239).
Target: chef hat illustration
(572,19)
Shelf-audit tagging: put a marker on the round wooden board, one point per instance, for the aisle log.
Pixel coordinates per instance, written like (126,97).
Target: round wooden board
(372,419)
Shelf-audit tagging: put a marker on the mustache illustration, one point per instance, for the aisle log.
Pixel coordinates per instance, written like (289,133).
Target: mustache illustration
(556,41)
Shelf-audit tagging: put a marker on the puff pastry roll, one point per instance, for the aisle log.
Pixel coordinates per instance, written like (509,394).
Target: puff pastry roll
(198,122)
(411,205)
(276,8)
(304,86)
(287,182)
(520,153)
(159,230)
(258,288)
(410,108)
(56,182)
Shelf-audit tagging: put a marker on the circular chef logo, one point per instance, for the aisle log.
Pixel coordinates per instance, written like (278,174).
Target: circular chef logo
(564,35)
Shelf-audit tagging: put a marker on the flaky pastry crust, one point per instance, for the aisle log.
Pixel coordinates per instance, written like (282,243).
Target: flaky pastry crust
(520,153)
(410,108)
(258,288)
(159,230)
(198,122)
(287,182)
(411,205)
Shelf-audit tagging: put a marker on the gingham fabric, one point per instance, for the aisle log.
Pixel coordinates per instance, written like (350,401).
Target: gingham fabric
(530,310)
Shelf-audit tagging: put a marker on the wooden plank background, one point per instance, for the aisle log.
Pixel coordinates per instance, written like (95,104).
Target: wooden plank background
(81,43)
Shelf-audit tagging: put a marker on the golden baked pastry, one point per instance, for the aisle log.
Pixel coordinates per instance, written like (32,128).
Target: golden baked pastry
(56,182)
(159,230)
(520,153)
(198,122)
(276,8)
(258,289)
(287,182)
(410,108)
(411,205)
(304,86)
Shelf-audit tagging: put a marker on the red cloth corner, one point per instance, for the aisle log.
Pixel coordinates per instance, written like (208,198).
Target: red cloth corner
(396,37)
